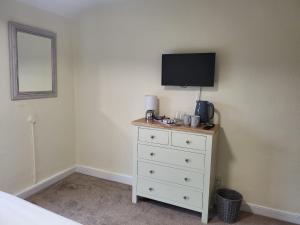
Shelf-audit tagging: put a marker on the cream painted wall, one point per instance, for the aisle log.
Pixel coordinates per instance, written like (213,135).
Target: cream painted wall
(55,116)
(118,51)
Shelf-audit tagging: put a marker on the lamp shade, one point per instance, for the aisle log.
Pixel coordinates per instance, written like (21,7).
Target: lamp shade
(151,102)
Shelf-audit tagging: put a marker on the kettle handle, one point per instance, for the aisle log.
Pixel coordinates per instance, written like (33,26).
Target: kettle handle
(211,110)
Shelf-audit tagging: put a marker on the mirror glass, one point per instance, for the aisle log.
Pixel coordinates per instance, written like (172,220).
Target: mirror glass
(32,53)
(34,63)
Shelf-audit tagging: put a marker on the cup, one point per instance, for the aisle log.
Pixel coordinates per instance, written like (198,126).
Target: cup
(186,120)
(179,116)
(195,120)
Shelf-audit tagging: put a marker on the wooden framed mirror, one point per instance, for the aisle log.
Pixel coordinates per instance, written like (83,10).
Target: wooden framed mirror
(32,62)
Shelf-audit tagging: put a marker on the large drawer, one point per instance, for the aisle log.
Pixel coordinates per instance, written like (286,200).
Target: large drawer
(171,156)
(182,196)
(170,174)
(154,136)
(185,140)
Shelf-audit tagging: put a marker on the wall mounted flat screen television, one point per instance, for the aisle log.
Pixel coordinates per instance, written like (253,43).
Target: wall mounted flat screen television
(194,69)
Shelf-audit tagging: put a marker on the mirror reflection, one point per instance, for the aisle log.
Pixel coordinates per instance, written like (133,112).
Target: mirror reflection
(34,63)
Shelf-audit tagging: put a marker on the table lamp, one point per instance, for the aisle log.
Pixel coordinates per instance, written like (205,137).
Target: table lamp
(151,106)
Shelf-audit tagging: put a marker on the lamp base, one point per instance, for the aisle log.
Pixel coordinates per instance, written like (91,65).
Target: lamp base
(149,115)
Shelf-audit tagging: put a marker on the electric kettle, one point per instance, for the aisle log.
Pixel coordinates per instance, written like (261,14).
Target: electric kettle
(205,110)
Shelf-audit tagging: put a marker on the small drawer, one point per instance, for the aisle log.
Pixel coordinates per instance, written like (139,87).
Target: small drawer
(197,142)
(171,156)
(182,196)
(169,174)
(154,136)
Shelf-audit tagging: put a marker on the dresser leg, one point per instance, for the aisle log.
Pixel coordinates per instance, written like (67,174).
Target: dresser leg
(204,217)
(134,198)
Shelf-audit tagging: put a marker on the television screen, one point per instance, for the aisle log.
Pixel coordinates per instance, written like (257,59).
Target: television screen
(195,69)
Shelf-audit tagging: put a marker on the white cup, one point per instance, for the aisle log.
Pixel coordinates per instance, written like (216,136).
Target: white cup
(195,120)
(186,120)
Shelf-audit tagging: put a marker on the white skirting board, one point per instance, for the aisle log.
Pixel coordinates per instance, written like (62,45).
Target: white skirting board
(45,183)
(104,174)
(272,213)
(127,179)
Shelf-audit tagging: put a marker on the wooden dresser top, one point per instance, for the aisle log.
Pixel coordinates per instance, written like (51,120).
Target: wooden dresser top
(154,124)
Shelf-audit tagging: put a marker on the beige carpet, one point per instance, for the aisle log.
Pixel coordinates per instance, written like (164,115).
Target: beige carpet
(93,201)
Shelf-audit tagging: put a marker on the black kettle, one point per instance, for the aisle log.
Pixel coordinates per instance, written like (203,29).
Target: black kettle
(205,110)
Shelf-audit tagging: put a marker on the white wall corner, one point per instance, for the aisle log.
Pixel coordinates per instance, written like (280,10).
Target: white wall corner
(272,213)
(45,183)
(104,174)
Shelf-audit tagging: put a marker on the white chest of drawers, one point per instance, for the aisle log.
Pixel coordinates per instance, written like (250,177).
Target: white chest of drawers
(174,165)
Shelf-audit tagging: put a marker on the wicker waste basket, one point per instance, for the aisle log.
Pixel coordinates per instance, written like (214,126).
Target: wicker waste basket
(228,205)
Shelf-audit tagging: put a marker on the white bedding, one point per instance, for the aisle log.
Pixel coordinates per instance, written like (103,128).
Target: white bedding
(16,211)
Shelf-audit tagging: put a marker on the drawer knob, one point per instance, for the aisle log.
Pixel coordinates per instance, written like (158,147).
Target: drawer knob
(187,142)
(152,153)
(186,179)
(152,136)
(185,197)
(150,189)
(187,160)
(151,171)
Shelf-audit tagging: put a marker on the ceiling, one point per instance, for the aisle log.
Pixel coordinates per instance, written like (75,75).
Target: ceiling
(66,8)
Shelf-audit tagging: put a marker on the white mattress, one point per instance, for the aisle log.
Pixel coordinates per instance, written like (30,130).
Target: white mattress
(16,211)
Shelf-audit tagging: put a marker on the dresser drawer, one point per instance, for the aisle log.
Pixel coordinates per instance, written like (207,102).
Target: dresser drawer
(171,156)
(170,174)
(191,141)
(182,196)
(154,136)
